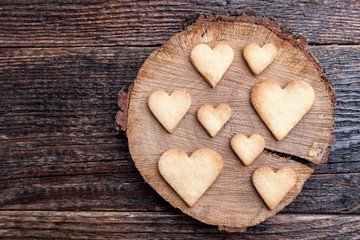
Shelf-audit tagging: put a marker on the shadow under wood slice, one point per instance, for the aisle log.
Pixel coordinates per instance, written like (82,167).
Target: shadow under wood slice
(232,230)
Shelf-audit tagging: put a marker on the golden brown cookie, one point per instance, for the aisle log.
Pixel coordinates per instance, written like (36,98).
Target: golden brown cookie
(281,109)
(190,176)
(273,186)
(258,58)
(247,149)
(212,63)
(169,110)
(213,119)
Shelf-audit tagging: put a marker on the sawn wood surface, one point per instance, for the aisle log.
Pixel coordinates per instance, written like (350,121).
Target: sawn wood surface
(231,201)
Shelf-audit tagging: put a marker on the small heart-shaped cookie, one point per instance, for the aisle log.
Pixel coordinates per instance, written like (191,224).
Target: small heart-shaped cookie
(190,176)
(258,58)
(247,149)
(282,109)
(212,63)
(271,186)
(169,110)
(213,119)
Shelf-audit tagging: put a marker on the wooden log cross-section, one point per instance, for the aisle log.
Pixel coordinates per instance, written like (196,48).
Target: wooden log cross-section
(232,201)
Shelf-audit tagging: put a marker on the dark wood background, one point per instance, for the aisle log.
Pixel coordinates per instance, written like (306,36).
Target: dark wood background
(67,173)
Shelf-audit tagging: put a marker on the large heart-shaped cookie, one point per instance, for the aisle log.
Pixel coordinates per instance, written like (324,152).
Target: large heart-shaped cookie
(282,109)
(212,63)
(190,176)
(271,186)
(213,119)
(169,110)
(258,58)
(247,149)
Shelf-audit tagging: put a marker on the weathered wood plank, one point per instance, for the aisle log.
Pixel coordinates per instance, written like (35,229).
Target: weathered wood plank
(333,193)
(145,225)
(57,110)
(58,105)
(342,66)
(57,113)
(111,191)
(100,23)
(328,193)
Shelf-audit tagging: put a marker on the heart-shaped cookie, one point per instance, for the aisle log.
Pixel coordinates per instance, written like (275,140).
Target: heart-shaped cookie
(213,119)
(282,109)
(247,149)
(190,176)
(169,110)
(271,186)
(212,63)
(258,58)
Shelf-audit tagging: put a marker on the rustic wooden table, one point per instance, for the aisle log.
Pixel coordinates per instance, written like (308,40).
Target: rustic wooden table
(67,173)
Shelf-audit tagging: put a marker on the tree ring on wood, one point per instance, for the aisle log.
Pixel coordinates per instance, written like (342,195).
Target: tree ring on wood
(232,201)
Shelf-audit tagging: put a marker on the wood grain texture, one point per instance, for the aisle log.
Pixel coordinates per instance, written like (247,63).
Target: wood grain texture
(165,225)
(57,110)
(52,118)
(58,147)
(101,23)
(164,69)
(121,191)
(56,116)
(342,65)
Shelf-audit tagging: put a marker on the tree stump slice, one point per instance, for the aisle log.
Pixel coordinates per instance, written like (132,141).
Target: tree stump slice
(232,201)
